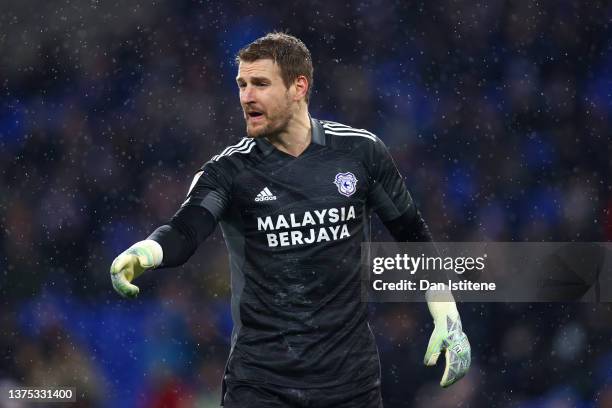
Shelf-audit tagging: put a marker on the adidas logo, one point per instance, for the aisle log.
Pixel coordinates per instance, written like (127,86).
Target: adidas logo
(265,195)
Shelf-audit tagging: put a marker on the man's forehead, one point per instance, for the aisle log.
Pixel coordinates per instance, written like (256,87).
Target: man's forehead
(259,68)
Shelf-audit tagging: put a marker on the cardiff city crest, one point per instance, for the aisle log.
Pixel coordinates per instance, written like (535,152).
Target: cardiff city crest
(347,183)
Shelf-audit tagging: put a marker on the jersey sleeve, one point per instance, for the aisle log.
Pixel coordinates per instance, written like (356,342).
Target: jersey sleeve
(210,189)
(387,195)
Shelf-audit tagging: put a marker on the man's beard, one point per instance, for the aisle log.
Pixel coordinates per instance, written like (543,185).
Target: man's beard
(272,128)
(274,125)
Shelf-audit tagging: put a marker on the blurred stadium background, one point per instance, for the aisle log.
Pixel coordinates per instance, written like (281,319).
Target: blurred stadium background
(499,114)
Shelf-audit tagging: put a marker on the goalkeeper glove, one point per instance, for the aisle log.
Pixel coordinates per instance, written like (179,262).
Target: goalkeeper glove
(448,337)
(131,263)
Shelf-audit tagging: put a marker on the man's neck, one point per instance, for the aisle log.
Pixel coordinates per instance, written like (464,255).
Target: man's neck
(297,137)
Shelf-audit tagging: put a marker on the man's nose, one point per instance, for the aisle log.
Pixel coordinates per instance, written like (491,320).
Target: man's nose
(247,95)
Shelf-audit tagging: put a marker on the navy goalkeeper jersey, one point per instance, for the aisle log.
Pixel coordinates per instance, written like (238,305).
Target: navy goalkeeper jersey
(294,227)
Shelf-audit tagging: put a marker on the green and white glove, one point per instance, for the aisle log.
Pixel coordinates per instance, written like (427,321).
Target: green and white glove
(448,337)
(131,263)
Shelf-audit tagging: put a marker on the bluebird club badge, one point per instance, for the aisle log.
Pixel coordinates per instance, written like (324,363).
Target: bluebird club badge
(346,183)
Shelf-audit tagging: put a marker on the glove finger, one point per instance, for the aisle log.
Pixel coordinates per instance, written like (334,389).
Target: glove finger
(118,264)
(125,264)
(448,378)
(458,360)
(434,347)
(123,286)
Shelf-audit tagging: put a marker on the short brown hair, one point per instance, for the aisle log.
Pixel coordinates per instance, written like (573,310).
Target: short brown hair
(287,51)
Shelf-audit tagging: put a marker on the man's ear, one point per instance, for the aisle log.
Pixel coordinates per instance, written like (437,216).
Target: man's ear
(301,87)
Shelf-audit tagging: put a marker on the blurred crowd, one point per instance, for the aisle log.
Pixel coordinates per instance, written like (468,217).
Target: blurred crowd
(498,114)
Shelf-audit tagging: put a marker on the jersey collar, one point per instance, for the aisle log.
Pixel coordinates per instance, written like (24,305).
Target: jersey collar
(318,133)
(318,137)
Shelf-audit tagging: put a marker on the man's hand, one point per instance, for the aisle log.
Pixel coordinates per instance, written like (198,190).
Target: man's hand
(448,337)
(131,263)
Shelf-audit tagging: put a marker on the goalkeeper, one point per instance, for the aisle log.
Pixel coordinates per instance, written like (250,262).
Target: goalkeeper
(293,200)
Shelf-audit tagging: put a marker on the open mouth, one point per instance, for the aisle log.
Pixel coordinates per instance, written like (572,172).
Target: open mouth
(254,114)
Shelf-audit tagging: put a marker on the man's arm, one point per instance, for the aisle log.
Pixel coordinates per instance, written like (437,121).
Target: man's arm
(169,245)
(395,207)
(179,239)
(409,227)
(174,243)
